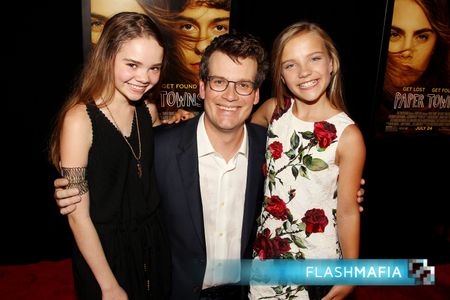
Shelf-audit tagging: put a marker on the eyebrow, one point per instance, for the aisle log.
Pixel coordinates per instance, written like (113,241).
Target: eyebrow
(100,17)
(416,32)
(192,20)
(132,61)
(309,55)
(139,63)
(239,80)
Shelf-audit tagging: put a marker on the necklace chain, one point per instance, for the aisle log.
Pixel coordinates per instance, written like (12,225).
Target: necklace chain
(137,157)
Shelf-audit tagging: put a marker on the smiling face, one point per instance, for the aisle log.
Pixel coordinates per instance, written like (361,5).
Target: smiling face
(137,67)
(306,67)
(227,111)
(412,38)
(202,24)
(102,10)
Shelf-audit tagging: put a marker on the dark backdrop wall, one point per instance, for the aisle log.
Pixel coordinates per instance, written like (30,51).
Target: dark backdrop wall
(44,52)
(404,214)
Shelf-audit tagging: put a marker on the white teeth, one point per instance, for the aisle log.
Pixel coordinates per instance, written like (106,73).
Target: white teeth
(137,87)
(308,84)
(227,108)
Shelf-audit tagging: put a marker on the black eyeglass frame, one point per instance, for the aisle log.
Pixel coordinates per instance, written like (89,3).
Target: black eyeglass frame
(209,78)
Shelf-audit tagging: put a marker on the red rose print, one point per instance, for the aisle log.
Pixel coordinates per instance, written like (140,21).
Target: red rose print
(325,133)
(278,111)
(276,148)
(277,208)
(267,248)
(280,246)
(262,245)
(315,220)
(264,169)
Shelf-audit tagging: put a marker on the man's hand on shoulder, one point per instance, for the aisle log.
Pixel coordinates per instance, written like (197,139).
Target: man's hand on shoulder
(66,199)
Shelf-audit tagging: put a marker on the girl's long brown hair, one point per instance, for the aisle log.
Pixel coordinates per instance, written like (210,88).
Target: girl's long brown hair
(97,77)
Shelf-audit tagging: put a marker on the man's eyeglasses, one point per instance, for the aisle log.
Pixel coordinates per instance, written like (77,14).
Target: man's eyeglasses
(220,84)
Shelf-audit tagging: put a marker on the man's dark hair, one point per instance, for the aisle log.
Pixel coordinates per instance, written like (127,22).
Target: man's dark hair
(237,46)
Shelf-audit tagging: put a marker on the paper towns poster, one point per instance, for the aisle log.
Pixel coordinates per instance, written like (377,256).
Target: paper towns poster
(188,27)
(415,96)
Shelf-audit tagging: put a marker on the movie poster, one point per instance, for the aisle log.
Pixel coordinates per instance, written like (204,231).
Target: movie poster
(188,27)
(415,97)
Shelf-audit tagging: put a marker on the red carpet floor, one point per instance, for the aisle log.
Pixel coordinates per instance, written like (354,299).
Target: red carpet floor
(53,280)
(41,281)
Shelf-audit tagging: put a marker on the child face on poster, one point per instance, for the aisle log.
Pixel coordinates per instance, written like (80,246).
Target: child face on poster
(201,22)
(102,10)
(412,40)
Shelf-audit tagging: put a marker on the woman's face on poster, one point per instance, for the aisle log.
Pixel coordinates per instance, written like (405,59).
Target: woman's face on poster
(201,24)
(412,38)
(102,10)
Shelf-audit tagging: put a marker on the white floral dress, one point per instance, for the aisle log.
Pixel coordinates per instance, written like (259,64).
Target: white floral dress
(298,219)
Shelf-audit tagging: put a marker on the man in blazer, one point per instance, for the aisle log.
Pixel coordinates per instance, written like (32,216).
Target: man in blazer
(209,172)
(177,169)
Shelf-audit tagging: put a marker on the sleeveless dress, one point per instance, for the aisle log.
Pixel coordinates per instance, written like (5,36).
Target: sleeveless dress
(125,211)
(298,218)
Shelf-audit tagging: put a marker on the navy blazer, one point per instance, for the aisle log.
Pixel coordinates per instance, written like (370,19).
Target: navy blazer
(176,166)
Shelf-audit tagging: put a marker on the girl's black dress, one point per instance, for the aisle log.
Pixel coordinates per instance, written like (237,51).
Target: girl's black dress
(125,211)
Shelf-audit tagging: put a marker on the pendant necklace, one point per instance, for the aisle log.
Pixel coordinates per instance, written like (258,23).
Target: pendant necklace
(137,157)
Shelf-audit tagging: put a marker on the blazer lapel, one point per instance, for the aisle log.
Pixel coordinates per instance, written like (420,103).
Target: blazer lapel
(252,191)
(188,168)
